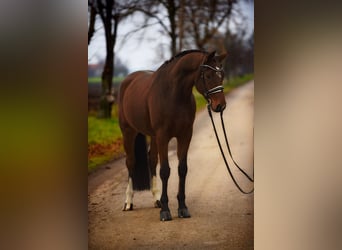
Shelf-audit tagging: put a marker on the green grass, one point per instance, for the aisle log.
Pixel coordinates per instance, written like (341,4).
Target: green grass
(105,132)
(102,133)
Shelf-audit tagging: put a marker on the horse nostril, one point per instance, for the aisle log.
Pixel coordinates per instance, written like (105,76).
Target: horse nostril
(218,108)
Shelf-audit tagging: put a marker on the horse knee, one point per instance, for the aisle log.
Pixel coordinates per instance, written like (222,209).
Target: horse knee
(165,172)
(182,169)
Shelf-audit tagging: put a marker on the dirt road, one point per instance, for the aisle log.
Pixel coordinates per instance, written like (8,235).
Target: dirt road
(222,217)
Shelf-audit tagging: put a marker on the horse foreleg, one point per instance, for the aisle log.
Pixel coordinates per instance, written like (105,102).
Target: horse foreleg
(165,214)
(183,146)
(153,158)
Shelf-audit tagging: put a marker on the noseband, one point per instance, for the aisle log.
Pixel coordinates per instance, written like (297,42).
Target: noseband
(213,90)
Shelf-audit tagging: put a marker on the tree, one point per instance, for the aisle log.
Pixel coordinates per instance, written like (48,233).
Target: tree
(188,22)
(111,12)
(241,54)
(153,9)
(205,18)
(92,17)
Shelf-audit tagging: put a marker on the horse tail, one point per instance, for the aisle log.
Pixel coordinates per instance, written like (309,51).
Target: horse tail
(141,173)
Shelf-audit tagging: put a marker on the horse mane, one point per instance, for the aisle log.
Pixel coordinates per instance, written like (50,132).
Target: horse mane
(180,54)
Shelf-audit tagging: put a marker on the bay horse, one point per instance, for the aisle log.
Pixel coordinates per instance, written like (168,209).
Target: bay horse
(161,105)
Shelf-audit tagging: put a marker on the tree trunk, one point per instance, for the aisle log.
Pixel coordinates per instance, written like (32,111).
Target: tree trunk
(107,99)
(91,28)
(181,25)
(172,18)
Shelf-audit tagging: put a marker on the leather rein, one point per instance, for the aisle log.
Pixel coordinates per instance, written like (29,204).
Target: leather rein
(207,94)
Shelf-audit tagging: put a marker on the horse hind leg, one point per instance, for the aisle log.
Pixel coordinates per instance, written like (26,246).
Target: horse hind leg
(129,196)
(129,137)
(129,190)
(153,161)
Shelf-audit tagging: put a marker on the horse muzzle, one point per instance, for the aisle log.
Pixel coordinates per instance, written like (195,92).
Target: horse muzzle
(219,108)
(217,102)
(216,99)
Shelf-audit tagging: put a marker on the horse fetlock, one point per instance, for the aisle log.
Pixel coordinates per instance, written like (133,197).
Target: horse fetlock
(181,197)
(164,200)
(157,204)
(156,197)
(156,194)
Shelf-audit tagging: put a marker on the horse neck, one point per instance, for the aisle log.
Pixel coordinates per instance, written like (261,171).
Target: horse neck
(186,71)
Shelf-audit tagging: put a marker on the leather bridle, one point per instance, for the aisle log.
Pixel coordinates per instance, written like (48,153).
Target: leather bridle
(214,90)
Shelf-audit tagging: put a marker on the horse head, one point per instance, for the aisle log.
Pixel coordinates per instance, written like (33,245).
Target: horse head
(211,79)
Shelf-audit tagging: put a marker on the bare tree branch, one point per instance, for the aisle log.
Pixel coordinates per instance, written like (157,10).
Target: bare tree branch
(91,29)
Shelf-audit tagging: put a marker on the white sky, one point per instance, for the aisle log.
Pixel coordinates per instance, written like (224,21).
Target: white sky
(140,51)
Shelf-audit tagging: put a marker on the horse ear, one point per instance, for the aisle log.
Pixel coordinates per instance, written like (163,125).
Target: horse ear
(221,58)
(211,55)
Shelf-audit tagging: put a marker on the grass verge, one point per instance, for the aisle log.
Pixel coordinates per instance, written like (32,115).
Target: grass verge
(104,140)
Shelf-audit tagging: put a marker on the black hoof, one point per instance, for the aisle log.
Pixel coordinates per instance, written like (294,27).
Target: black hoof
(165,215)
(125,208)
(157,204)
(183,213)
